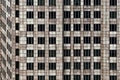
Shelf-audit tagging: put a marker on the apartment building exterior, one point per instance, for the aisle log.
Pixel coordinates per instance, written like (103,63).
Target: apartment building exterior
(65,39)
(5,40)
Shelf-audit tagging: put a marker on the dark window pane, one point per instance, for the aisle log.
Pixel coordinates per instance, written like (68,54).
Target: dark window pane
(97,2)
(77,65)
(52,27)
(77,2)
(66,52)
(30,2)
(97,52)
(97,14)
(97,77)
(97,27)
(87,40)
(86,65)
(113,2)
(97,40)
(77,27)
(77,52)
(41,66)
(66,65)
(52,15)
(66,40)
(52,40)
(67,27)
(87,2)
(30,27)
(87,27)
(67,2)
(41,53)
(77,14)
(41,40)
(41,27)
(67,77)
(41,2)
(52,53)
(113,27)
(113,14)
(52,2)
(67,14)
(41,14)
(52,66)
(113,66)
(87,52)
(87,14)
(87,77)
(113,40)
(113,53)
(97,65)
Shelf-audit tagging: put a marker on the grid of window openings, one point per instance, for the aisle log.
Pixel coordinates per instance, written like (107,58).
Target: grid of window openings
(81,31)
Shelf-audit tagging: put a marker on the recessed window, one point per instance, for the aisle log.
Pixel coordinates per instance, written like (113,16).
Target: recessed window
(97,2)
(52,27)
(97,27)
(87,52)
(113,2)
(17,52)
(30,66)
(66,65)
(41,66)
(113,66)
(17,13)
(97,77)
(67,14)
(30,77)
(77,14)
(97,40)
(30,40)
(52,77)
(77,52)
(97,14)
(87,27)
(41,40)
(30,27)
(17,64)
(113,14)
(52,53)
(41,53)
(113,40)
(87,77)
(113,53)
(41,14)
(77,2)
(41,77)
(77,77)
(30,53)
(41,2)
(16,2)
(67,77)
(113,27)
(52,2)
(67,27)
(30,2)
(113,77)
(97,52)
(97,65)
(52,66)
(87,40)
(30,14)
(41,27)
(87,14)
(67,52)
(67,2)
(87,65)
(17,39)
(17,77)
(87,2)
(52,15)
(17,26)
(77,27)
(77,40)
(52,40)
(66,40)
(77,65)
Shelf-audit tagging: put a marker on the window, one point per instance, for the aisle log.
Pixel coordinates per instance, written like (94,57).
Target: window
(97,52)
(113,2)
(41,14)
(87,77)
(97,77)
(113,14)
(17,64)
(17,39)
(113,40)
(67,27)
(52,2)
(76,14)
(17,52)
(30,77)
(52,77)
(86,65)
(113,66)
(87,40)
(113,27)
(67,2)
(87,52)
(66,65)
(87,2)
(77,65)
(30,2)
(41,77)
(41,53)
(87,27)
(97,27)
(30,40)
(97,2)
(97,65)
(77,52)
(30,66)
(77,27)
(30,27)
(41,27)
(67,14)
(16,2)
(97,40)
(17,77)
(77,40)
(67,77)
(77,77)
(77,2)
(52,66)
(87,14)
(52,53)
(17,13)
(41,40)
(66,52)
(17,26)
(41,2)
(97,14)
(41,66)
(52,15)
(66,40)
(113,77)
(30,14)
(52,40)
(113,53)
(30,53)
(52,27)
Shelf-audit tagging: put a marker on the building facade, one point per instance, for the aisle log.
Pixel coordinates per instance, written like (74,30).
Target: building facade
(65,39)
(5,40)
